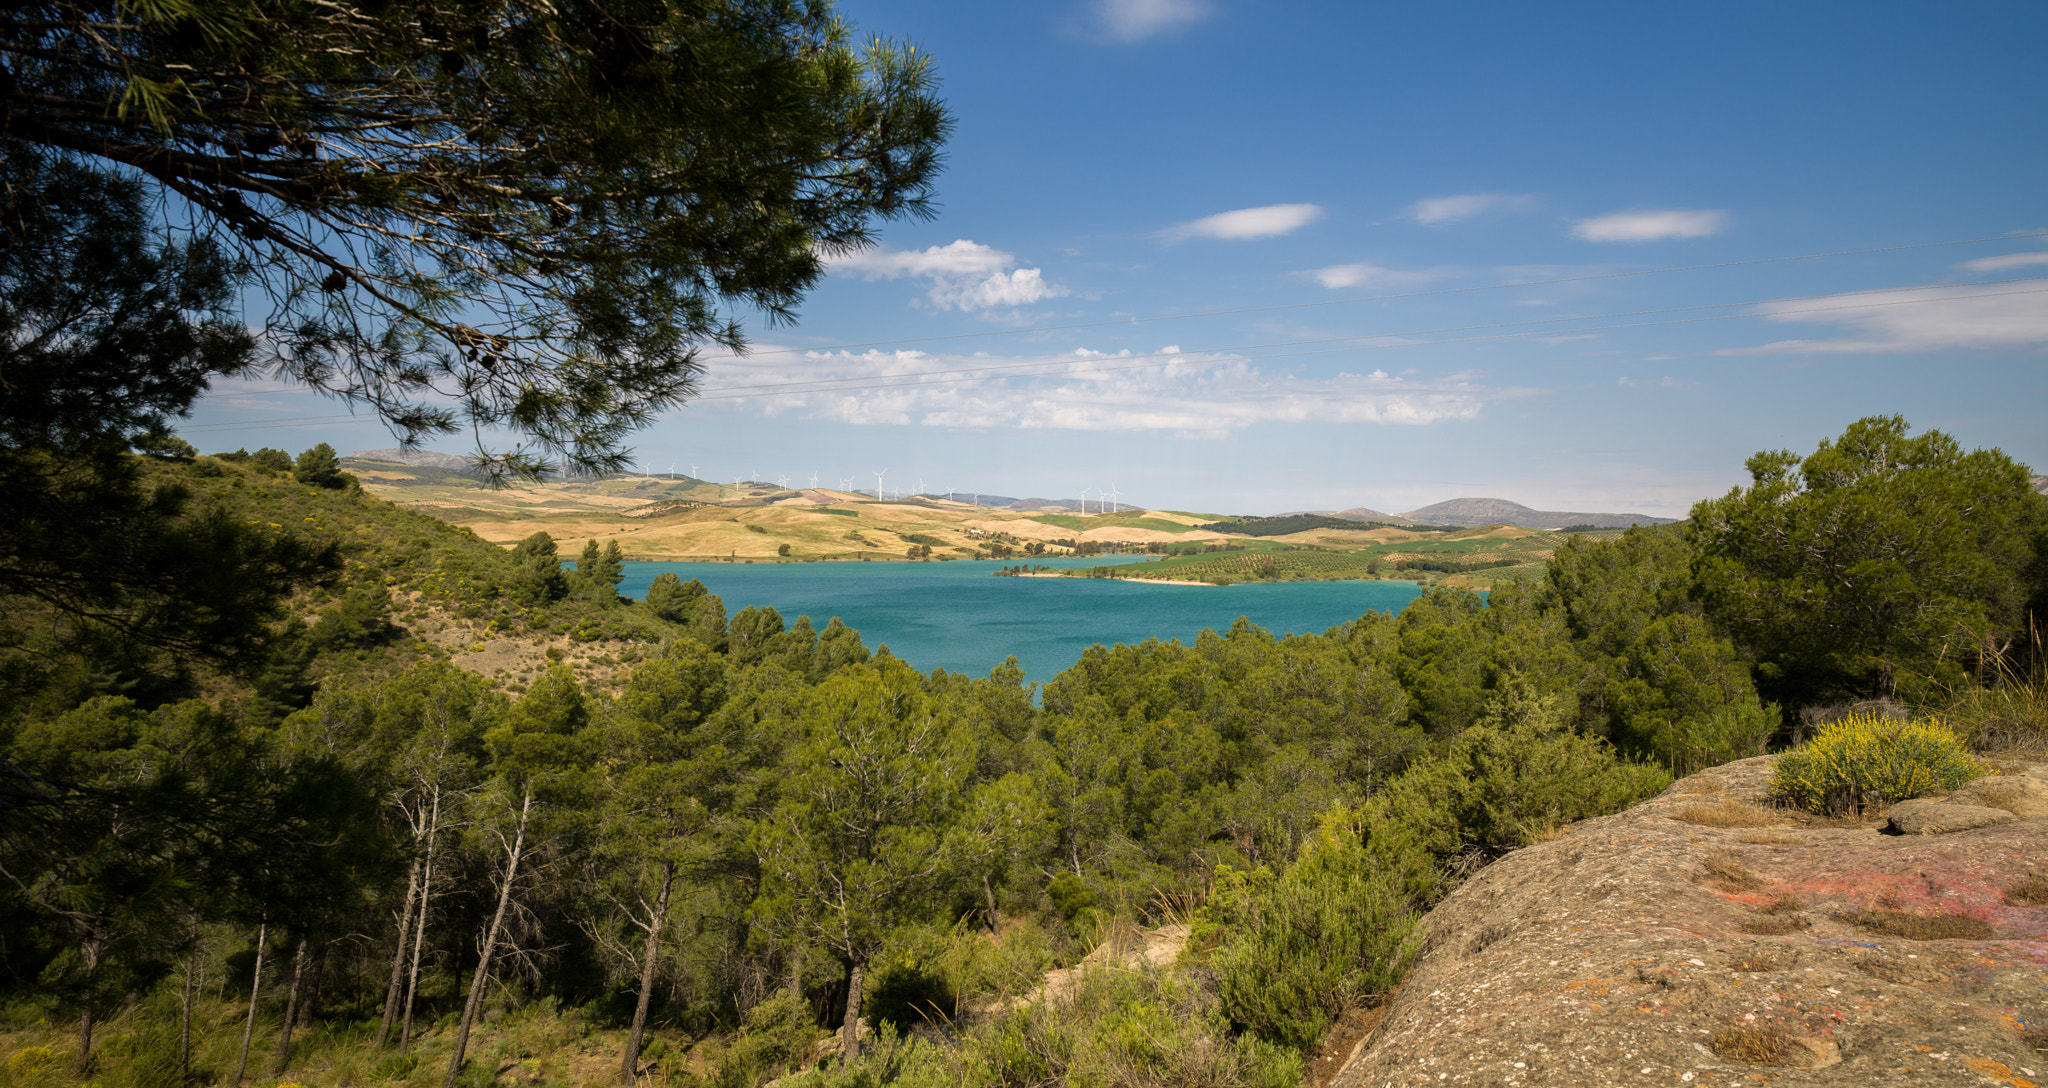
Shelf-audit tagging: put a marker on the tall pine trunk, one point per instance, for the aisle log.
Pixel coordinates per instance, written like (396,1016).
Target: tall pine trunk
(483,963)
(291,1008)
(190,992)
(395,990)
(84,1033)
(255,988)
(849,1033)
(629,1063)
(419,935)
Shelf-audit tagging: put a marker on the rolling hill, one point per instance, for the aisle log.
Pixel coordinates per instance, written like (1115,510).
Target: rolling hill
(1501,511)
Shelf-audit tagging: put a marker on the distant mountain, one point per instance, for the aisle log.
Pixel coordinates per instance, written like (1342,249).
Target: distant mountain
(1356,513)
(1490,511)
(2040,483)
(1366,513)
(417,458)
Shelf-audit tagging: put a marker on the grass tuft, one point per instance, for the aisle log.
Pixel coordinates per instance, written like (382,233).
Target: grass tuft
(1728,813)
(1728,869)
(1920,927)
(1766,926)
(1755,961)
(1783,904)
(1758,1046)
(2031,892)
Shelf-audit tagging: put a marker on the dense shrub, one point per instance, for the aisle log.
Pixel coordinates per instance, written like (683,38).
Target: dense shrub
(1322,937)
(1867,761)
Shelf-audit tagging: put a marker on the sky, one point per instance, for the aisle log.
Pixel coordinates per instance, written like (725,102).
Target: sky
(1250,258)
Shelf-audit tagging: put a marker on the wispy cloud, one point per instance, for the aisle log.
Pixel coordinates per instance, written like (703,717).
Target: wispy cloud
(1265,222)
(1650,226)
(1136,20)
(964,275)
(1339,276)
(1928,319)
(1451,209)
(1084,390)
(2005,263)
(1666,382)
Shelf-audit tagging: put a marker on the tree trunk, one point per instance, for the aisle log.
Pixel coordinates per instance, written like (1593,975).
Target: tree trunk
(84,1033)
(255,988)
(793,959)
(483,963)
(849,1033)
(291,1008)
(395,990)
(629,1065)
(989,890)
(312,991)
(191,990)
(419,935)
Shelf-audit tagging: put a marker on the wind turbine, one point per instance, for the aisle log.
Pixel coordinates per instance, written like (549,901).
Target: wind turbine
(920,485)
(782,481)
(693,470)
(846,484)
(814,481)
(878,484)
(1113,493)
(1084,502)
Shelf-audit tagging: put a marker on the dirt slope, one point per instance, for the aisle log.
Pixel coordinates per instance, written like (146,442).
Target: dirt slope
(1637,949)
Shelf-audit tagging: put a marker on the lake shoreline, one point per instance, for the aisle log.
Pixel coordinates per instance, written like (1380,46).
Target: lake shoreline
(1146,581)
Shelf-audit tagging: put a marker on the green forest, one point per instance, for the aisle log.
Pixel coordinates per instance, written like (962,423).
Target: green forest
(310,847)
(258,827)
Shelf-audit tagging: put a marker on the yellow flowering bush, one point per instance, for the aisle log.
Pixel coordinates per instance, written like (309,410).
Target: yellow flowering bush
(1866,761)
(31,1059)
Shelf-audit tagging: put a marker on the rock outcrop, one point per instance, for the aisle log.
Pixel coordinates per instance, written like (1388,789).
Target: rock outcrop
(1701,938)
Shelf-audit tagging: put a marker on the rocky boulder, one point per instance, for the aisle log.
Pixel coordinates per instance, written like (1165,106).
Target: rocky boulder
(1689,941)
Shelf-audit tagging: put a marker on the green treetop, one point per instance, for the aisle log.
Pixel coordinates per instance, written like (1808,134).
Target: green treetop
(538,212)
(1873,562)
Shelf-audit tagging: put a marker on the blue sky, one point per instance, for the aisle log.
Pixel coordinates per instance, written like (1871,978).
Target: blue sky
(1288,170)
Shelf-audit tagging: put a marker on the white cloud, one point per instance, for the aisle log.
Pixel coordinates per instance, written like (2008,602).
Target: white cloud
(964,275)
(1273,219)
(1136,20)
(1650,226)
(1666,382)
(2008,261)
(1371,275)
(1085,390)
(1450,209)
(1926,319)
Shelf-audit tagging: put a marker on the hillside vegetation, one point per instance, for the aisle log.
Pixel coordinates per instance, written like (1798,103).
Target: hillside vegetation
(688,846)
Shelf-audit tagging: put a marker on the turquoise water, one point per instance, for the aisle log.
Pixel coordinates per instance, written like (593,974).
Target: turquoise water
(958,617)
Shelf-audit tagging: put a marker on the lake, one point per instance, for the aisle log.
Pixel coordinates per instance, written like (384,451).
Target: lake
(957,616)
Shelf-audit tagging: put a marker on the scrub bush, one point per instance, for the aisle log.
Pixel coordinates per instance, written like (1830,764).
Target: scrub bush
(1867,761)
(1301,948)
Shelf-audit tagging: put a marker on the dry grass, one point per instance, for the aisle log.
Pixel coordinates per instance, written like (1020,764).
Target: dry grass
(2031,892)
(1920,927)
(1770,840)
(1767,926)
(2034,1037)
(1728,869)
(1783,904)
(1758,1046)
(1754,961)
(2009,718)
(1729,813)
